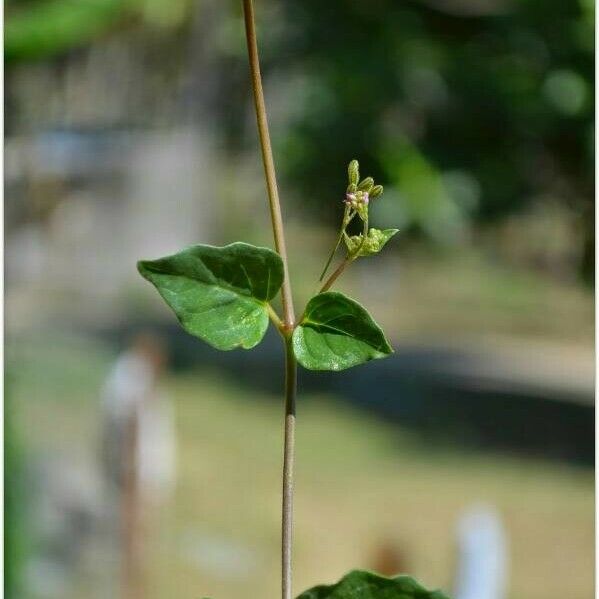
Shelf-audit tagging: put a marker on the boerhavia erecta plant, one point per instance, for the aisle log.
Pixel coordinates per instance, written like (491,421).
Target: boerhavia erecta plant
(223,296)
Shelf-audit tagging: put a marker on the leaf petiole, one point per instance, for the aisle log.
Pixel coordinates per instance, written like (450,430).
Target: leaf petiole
(276,320)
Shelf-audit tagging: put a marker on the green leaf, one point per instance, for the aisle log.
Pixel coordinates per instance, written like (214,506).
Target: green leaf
(336,333)
(219,294)
(366,585)
(375,241)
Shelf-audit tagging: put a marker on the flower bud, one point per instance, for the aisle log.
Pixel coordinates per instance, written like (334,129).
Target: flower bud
(353,172)
(366,184)
(352,188)
(376,191)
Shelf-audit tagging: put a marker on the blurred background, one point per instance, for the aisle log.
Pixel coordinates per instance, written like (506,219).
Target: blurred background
(130,134)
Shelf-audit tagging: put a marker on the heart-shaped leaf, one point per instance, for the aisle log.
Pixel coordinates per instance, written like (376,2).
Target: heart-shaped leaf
(219,294)
(336,333)
(366,585)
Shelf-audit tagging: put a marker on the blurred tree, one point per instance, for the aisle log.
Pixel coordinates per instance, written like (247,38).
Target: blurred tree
(499,93)
(39,30)
(36,30)
(471,110)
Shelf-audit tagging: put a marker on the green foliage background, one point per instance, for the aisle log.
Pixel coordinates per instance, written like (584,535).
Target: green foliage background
(470,110)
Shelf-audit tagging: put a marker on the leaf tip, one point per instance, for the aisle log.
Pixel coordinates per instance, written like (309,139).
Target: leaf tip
(142,267)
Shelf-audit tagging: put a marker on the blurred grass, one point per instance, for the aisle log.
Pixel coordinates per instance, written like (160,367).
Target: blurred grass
(359,484)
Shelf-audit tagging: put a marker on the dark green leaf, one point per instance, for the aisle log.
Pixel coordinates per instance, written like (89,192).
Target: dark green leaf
(366,585)
(219,294)
(336,333)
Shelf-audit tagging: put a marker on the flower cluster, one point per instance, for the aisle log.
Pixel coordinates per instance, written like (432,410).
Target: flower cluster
(359,193)
(357,198)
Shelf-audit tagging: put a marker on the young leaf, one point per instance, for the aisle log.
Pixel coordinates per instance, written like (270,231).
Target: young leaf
(219,294)
(336,333)
(374,243)
(366,585)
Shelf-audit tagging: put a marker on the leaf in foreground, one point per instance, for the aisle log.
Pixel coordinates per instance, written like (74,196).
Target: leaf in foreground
(359,584)
(219,294)
(336,332)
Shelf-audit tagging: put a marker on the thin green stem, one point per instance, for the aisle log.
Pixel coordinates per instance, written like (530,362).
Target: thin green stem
(347,218)
(332,254)
(356,253)
(349,258)
(337,273)
(287,300)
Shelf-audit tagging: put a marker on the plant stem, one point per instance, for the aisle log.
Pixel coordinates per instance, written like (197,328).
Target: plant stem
(336,274)
(356,253)
(287,300)
(332,254)
(267,159)
(274,317)
(288,461)
(349,258)
(347,217)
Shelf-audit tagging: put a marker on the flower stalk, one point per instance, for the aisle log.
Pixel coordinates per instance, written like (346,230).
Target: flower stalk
(357,201)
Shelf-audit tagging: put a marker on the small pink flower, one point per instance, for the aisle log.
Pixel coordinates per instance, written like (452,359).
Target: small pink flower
(359,198)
